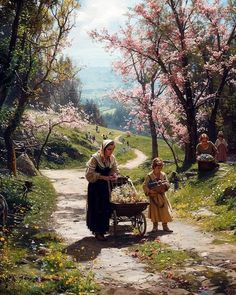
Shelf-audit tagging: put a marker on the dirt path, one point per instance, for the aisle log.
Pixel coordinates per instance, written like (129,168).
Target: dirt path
(139,159)
(115,269)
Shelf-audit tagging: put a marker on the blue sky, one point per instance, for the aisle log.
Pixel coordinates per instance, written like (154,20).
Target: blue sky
(95,14)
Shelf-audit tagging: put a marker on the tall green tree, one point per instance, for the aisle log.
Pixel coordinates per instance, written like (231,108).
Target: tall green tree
(92,111)
(31,42)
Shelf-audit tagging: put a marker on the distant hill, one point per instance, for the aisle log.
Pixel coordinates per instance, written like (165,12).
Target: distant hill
(97,82)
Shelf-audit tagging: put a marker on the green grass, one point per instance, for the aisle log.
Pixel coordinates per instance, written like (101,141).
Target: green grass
(143,143)
(159,256)
(32,256)
(63,140)
(205,192)
(43,202)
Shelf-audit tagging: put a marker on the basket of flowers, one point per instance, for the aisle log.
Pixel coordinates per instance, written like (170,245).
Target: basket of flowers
(206,162)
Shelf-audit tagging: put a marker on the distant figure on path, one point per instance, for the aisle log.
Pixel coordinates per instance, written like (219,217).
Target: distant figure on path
(101,168)
(222,147)
(174,178)
(155,185)
(206,153)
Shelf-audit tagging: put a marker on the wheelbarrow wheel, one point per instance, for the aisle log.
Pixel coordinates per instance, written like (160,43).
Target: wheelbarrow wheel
(141,224)
(133,221)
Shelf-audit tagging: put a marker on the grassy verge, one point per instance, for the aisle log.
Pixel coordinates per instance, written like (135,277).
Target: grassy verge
(209,201)
(32,256)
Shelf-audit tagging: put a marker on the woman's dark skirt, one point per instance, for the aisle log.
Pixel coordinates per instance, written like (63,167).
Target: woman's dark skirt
(98,207)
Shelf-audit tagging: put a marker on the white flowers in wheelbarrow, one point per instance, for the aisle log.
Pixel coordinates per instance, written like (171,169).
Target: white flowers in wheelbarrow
(125,194)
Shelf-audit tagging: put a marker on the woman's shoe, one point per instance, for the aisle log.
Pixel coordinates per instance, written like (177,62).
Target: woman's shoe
(100,237)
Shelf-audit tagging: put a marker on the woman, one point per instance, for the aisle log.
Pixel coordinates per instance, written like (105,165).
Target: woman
(155,185)
(203,150)
(101,168)
(222,147)
(205,146)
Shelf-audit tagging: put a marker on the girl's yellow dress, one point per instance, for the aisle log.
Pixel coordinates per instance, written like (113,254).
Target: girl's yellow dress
(160,208)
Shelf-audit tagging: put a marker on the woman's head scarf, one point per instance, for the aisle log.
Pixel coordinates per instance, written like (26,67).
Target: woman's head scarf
(99,155)
(105,144)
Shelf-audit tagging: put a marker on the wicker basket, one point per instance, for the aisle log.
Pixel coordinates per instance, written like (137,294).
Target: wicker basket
(206,165)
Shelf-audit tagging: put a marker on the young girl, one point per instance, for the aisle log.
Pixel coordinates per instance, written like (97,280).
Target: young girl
(155,185)
(222,146)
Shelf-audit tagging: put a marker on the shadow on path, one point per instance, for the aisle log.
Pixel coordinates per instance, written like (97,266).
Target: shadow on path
(88,248)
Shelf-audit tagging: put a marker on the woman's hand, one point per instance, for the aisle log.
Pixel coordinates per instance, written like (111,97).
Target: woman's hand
(109,177)
(113,176)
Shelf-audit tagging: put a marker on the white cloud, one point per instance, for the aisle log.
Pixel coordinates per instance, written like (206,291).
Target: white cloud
(96,14)
(101,13)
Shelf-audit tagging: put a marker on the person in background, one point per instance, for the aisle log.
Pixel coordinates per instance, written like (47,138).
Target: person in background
(222,147)
(175,179)
(155,185)
(101,168)
(205,146)
(206,153)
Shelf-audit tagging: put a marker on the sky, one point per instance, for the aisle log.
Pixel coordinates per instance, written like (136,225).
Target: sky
(95,14)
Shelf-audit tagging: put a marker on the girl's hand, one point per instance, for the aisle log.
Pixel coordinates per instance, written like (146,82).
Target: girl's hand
(152,193)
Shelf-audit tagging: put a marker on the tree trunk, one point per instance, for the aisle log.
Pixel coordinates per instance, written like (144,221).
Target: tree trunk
(173,152)
(43,147)
(212,121)
(190,150)
(7,74)
(11,154)
(9,131)
(154,138)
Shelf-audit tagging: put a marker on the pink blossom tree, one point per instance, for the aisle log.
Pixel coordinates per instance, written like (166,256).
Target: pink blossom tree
(169,124)
(46,121)
(141,98)
(193,44)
